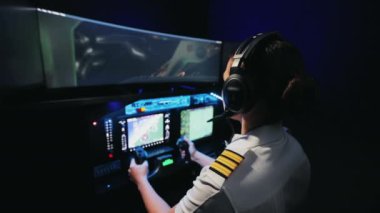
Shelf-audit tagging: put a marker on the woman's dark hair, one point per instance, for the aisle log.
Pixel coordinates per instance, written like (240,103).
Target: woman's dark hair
(278,78)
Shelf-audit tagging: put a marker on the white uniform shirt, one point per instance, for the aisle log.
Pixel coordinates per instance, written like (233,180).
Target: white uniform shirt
(274,174)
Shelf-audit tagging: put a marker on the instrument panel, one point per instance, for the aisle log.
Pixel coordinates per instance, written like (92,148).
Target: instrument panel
(152,126)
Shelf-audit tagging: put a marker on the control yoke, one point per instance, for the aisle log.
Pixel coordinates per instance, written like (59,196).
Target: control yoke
(184,146)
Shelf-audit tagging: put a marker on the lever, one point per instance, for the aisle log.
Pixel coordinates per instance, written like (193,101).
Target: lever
(184,146)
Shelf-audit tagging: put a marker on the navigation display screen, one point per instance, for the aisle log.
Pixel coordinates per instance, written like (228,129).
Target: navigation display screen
(194,123)
(143,131)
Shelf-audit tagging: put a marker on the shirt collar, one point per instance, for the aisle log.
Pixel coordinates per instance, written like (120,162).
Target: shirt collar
(262,135)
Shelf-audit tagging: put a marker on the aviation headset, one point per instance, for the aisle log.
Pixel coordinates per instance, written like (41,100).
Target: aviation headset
(239,94)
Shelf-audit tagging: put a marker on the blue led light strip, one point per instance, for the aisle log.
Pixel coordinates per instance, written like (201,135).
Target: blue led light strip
(160,104)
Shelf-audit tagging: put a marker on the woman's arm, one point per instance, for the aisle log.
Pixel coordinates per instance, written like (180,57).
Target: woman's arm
(153,202)
(205,186)
(202,159)
(196,156)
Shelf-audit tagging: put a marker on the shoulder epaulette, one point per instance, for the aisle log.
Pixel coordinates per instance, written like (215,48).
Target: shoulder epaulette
(226,163)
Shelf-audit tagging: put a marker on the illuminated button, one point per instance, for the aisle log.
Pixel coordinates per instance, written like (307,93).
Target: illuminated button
(110,155)
(167,162)
(142,109)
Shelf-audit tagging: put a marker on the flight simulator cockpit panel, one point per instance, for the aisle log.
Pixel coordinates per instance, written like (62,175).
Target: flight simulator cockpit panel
(153,125)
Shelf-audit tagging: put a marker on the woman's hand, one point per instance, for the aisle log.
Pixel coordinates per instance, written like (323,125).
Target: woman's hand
(192,149)
(138,172)
(197,156)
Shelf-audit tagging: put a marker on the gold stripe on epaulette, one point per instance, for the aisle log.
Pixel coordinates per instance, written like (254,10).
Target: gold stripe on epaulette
(220,168)
(233,155)
(226,163)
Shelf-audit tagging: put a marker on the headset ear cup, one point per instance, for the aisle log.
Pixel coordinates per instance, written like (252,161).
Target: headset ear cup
(235,94)
(239,95)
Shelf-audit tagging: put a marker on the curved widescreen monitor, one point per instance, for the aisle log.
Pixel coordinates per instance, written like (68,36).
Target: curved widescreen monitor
(83,52)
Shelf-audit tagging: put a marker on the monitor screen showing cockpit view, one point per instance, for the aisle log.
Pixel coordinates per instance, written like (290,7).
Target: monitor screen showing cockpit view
(85,52)
(145,131)
(194,123)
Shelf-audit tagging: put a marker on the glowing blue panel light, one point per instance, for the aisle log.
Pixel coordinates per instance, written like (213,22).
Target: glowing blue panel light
(175,102)
(217,96)
(157,104)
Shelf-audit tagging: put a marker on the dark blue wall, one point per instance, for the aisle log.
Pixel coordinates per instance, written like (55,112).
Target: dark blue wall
(338,41)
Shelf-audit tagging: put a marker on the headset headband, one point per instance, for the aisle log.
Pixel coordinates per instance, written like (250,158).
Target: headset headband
(250,45)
